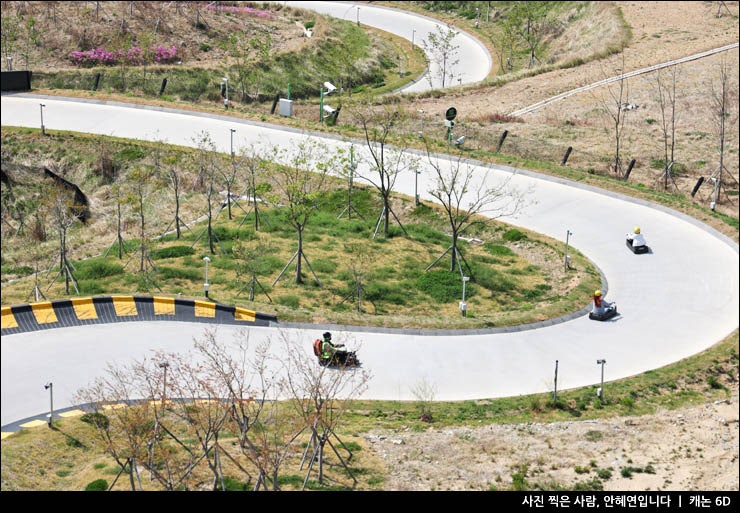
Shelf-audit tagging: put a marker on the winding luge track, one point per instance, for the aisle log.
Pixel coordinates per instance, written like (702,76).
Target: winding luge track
(674,302)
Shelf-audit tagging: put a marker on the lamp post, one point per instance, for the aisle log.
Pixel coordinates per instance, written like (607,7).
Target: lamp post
(567,258)
(463,304)
(206,285)
(358,16)
(232,142)
(600,392)
(50,387)
(41,107)
(164,366)
(416,187)
(225,81)
(413,35)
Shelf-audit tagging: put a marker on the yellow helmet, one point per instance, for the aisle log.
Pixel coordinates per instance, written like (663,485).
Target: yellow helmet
(597,293)
(637,229)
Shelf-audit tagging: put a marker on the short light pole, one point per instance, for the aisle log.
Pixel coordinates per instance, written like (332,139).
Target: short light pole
(50,387)
(358,16)
(600,392)
(421,122)
(413,35)
(416,187)
(463,304)
(232,142)
(567,258)
(164,366)
(206,285)
(9,60)
(225,81)
(43,130)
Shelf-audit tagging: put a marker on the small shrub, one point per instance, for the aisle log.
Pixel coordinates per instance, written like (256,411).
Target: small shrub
(234,485)
(290,301)
(172,252)
(172,273)
(594,436)
(627,402)
(96,419)
(99,485)
(714,383)
(73,442)
(442,286)
(514,235)
(96,269)
(604,473)
(498,250)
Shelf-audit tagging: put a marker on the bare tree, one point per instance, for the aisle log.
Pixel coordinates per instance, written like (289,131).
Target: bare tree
(724,102)
(466,199)
(143,184)
(300,185)
(254,166)
(252,390)
(229,176)
(126,433)
(360,258)
(443,52)
(206,163)
(62,211)
(616,107)
(386,162)
(321,396)
(666,95)
(119,195)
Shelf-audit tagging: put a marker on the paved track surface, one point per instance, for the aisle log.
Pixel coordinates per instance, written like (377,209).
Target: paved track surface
(675,302)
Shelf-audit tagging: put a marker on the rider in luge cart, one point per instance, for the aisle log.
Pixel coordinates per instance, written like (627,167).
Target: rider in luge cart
(636,242)
(602,309)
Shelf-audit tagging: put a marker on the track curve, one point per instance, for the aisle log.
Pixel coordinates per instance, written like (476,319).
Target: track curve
(674,303)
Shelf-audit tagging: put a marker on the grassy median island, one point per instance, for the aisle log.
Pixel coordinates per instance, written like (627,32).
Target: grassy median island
(355,274)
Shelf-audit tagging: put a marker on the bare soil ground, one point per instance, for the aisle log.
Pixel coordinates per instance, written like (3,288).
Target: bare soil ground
(688,449)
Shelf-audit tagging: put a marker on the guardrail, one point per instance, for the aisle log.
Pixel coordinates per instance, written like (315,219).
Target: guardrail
(109,309)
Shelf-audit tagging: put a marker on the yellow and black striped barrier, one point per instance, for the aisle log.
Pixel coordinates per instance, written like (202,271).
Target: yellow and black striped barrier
(107,309)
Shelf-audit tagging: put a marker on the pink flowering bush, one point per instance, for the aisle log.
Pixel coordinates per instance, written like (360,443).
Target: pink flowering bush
(164,55)
(93,57)
(237,10)
(134,55)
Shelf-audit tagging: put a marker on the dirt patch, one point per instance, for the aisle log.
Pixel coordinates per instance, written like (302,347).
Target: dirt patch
(689,449)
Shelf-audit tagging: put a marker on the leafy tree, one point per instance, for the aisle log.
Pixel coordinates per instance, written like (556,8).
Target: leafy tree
(386,161)
(443,52)
(300,185)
